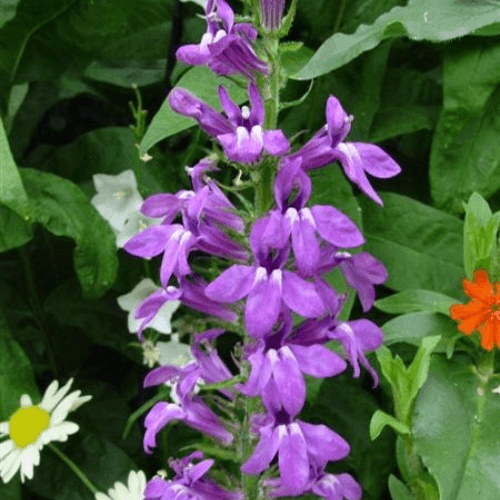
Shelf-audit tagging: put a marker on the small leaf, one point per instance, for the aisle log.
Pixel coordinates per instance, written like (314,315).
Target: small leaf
(416,300)
(419,368)
(398,489)
(380,419)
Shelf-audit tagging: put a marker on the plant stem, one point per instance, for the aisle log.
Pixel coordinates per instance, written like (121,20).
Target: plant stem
(78,472)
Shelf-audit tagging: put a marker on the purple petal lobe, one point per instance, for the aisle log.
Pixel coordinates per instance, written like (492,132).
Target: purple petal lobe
(293,461)
(275,142)
(301,296)
(318,361)
(376,161)
(335,227)
(324,444)
(232,285)
(264,452)
(150,242)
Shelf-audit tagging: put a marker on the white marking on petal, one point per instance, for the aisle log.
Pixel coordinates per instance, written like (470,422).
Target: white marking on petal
(277,277)
(260,275)
(219,35)
(242,135)
(305,214)
(292,215)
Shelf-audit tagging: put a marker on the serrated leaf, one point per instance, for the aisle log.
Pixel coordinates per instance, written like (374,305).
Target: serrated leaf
(419,20)
(417,300)
(62,208)
(201,82)
(380,419)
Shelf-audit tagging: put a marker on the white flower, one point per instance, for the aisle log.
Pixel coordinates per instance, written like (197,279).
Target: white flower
(135,223)
(117,197)
(130,301)
(133,491)
(34,426)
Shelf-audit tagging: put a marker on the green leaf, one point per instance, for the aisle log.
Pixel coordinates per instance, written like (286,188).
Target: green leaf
(465,155)
(380,419)
(14,231)
(15,34)
(416,300)
(398,489)
(12,192)
(201,82)
(420,246)
(16,373)
(7,10)
(419,20)
(11,490)
(293,60)
(480,232)
(412,328)
(64,210)
(419,368)
(455,430)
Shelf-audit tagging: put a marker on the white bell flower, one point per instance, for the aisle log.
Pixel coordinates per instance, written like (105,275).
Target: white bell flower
(132,491)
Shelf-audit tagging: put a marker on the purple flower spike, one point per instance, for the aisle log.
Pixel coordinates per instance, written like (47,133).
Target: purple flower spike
(272,13)
(226,48)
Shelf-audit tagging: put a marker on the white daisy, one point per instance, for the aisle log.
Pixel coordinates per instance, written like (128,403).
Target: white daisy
(130,301)
(133,491)
(33,426)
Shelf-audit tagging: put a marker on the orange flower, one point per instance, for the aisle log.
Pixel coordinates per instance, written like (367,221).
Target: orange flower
(482,313)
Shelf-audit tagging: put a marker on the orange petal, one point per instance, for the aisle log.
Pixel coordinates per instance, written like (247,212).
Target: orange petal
(463,311)
(488,335)
(473,322)
(481,288)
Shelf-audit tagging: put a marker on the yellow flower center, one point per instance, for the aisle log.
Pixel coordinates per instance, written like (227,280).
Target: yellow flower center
(27,424)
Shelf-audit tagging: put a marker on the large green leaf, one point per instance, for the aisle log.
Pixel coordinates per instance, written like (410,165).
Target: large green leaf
(455,430)
(16,373)
(201,82)
(64,210)
(420,246)
(465,154)
(431,20)
(16,33)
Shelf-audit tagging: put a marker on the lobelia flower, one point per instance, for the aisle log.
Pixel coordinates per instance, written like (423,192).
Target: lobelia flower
(267,286)
(277,363)
(34,426)
(240,132)
(325,485)
(299,446)
(226,47)
(134,489)
(272,13)
(293,219)
(189,482)
(132,300)
(356,158)
(481,314)
(191,293)
(190,409)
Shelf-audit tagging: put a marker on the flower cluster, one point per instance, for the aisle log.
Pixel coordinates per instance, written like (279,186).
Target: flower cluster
(278,270)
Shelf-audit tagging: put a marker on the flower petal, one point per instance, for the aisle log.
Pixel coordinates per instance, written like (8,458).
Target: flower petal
(335,227)
(318,361)
(293,461)
(232,285)
(301,296)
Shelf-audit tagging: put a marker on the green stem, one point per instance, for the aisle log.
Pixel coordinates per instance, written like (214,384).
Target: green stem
(78,472)
(250,484)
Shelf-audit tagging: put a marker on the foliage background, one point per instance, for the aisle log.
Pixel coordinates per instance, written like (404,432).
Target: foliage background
(421,78)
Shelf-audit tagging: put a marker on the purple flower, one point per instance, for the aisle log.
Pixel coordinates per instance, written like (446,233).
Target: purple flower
(272,13)
(207,367)
(299,446)
(356,158)
(277,366)
(267,286)
(189,482)
(193,412)
(240,133)
(325,485)
(226,48)
(190,293)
